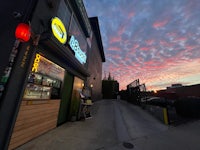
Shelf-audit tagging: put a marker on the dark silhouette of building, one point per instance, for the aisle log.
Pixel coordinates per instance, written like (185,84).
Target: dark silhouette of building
(177,91)
(110,88)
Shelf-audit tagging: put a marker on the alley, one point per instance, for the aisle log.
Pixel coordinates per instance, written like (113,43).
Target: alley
(115,125)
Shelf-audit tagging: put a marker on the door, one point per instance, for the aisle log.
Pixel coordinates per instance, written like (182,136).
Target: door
(65,99)
(75,99)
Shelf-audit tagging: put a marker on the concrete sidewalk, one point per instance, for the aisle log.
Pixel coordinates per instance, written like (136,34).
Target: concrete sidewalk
(113,123)
(184,137)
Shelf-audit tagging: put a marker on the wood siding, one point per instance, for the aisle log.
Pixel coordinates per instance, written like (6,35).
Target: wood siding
(34,118)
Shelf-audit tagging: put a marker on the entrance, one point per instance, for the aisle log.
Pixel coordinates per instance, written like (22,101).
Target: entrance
(75,100)
(65,99)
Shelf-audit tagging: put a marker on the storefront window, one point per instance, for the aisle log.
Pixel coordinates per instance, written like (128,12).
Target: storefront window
(45,79)
(64,13)
(73,30)
(79,35)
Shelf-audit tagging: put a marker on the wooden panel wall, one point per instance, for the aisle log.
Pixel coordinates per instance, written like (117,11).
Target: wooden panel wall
(34,118)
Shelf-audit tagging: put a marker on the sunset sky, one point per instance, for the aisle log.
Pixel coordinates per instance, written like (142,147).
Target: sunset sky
(155,41)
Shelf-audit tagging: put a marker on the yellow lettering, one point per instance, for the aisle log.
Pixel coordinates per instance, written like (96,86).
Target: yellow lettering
(36,63)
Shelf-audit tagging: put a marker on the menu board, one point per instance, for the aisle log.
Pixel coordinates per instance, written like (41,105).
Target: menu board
(47,67)
(42,87)
(34,91)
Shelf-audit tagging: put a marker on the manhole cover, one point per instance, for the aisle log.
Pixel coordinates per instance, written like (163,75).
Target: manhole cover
(101,148)
(128,145)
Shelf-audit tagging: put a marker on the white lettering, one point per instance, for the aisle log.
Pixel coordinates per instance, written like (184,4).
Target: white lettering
(58,31)
(79,54)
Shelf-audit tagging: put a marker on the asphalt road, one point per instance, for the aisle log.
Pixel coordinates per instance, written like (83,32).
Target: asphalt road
(117,125)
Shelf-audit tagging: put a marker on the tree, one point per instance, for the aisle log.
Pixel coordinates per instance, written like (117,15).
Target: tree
(109,77)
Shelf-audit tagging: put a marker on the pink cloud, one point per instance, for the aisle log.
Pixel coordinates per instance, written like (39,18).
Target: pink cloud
(182,39)
(160,24)
(114,48)
(166,44)
(149,42)
(116,57)
(115,39)
(140,59)
(153,65)
(135,46)
(130,15)
(157,73)
(144,48)
(154,73)
(126,59)
(179,39)
(189,47)
(172,34)
(121,30)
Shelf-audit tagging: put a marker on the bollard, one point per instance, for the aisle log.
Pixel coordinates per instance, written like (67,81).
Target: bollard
(165,116)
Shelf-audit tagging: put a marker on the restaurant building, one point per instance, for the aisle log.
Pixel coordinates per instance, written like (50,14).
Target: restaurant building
(41,77)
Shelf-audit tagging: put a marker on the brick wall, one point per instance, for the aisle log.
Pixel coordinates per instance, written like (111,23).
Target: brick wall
(95,69)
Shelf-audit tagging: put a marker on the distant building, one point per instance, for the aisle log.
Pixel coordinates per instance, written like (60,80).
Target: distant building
(123,94)
(110,88)
(188,91)
(175,86)
(179,91)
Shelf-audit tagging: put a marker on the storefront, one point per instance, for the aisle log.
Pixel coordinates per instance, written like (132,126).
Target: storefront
(44,80)
(56,76)
(49,71)
(41,100)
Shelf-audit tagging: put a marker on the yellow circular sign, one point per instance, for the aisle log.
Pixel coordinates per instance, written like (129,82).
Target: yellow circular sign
(59,30)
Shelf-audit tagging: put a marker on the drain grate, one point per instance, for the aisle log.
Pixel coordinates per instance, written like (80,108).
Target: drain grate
(128,145)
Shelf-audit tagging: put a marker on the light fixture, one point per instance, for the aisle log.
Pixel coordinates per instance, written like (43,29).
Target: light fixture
(91,85)
(23,32)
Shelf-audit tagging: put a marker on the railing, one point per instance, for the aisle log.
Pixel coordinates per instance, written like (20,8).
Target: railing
(173,112)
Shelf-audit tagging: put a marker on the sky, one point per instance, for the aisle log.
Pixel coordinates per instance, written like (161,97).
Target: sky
(155,41)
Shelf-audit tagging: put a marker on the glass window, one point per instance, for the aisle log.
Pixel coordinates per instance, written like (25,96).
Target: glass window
(64,13)
(78,34)
(45,80)
(34,91)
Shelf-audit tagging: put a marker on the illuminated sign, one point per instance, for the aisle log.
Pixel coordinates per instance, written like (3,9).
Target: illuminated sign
(59,30)
(46,67)
(79,54)
(36,63)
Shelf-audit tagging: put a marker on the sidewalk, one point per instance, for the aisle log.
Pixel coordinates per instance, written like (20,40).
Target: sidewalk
(91,134)
(101,132)
(184,137)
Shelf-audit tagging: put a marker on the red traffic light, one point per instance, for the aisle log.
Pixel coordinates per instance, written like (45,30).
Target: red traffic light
(23,32)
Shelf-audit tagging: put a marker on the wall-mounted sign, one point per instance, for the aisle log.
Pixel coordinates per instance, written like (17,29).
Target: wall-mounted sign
(36,63)
(47,67)
(79,54)
(59,30)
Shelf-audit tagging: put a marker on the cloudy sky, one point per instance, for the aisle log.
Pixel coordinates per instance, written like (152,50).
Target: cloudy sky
(155,41)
